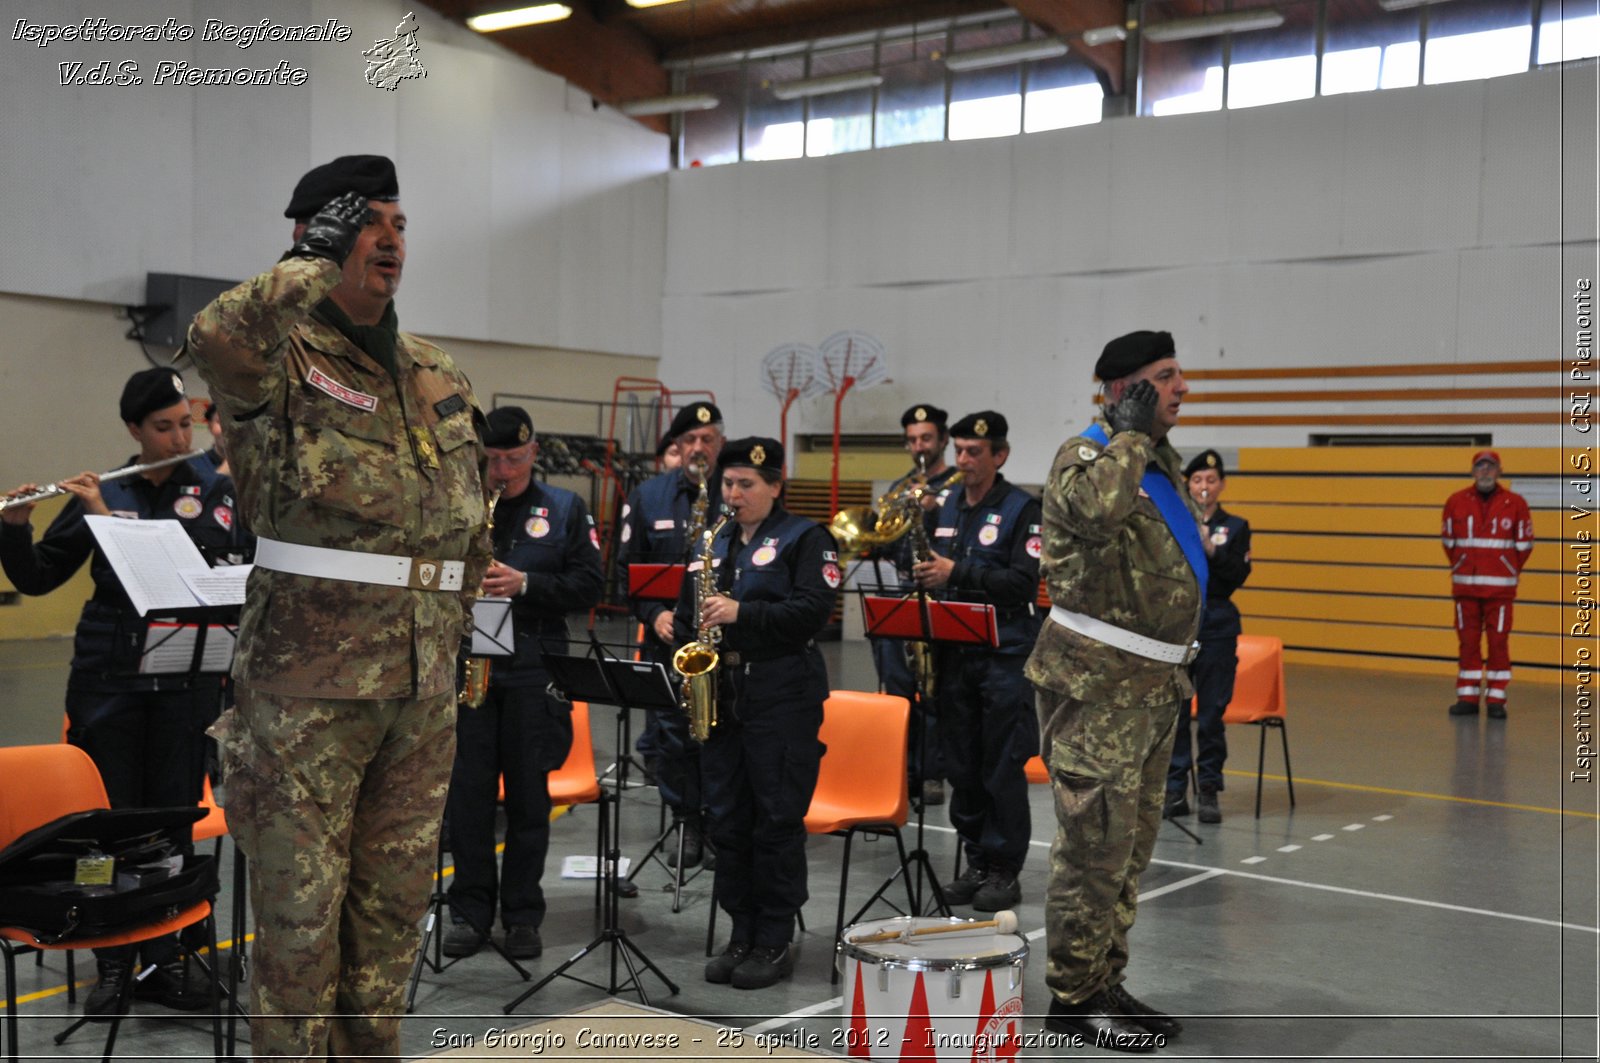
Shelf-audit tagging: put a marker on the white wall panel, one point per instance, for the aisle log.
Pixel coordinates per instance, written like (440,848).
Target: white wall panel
(1514,305)
(748,228)
(104,185)
(1522,159)
(1412,165)
(1061,219)
(923,212)
(447,273)
(1282,173)
(1168,193)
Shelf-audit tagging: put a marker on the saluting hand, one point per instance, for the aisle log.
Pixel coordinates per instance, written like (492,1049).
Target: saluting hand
(1136,410)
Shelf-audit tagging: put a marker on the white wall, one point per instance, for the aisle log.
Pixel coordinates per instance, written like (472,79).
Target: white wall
(1412,226)
(534,218)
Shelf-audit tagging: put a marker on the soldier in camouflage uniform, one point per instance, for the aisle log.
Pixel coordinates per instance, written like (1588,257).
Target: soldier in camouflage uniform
(356,451)
(1125,568)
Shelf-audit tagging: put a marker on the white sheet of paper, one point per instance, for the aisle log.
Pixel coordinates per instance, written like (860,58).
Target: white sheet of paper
(148,556)
(169,649)
(217,586)
(491,628)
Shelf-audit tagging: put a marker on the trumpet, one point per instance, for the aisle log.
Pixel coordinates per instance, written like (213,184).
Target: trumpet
(115,474)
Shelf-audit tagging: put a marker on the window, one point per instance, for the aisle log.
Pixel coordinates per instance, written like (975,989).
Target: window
(1061,92)
(773,128)
(711,138)
(1369,48)
(840,121)
(1472,39)
(1562,40)
(1271,66)
(911,98)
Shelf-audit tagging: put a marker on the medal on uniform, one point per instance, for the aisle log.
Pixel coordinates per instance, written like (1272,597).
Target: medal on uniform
(187,506)
(423,442)
(537,527)
(764,554)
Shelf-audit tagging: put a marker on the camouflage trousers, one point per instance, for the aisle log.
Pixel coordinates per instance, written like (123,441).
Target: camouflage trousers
(337,805)
(1108,770)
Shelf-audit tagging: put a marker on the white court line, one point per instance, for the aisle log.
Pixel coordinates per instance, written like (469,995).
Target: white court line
(1352,826)
(1375,895)
(1253,860)
(1288,848)
(1321,837)
(1034,935)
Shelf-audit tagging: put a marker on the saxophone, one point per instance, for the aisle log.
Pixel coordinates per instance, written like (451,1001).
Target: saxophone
(702,501)
(919,655)
(696,661)
(475,676)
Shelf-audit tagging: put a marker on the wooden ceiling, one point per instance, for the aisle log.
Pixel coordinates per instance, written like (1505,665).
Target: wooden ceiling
(616,52)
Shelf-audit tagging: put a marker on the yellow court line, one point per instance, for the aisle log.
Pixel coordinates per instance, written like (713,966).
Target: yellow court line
(1419,793)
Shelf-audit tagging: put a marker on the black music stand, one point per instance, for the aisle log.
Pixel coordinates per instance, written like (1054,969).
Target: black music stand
(916,617)
(607,680)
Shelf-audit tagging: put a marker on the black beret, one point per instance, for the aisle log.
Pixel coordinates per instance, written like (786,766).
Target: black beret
(1206,459)
(150,390)
(509,426)
(985,424)
(1131,353)
(695,415)
(923,412)
(661,447)
(371,175)
(757,452)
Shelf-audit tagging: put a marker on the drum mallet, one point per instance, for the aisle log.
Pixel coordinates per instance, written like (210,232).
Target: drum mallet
(1002,923)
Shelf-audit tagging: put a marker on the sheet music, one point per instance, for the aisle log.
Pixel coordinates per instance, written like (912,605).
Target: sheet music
(169,649)
(149,557)
(492,631)
(217,586)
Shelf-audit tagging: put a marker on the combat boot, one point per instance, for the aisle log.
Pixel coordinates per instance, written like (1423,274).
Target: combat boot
(766,965)
(102,1000)
(1497,710)
(1100,1023)
(1464,708)
(1210,811)
(1131,1007)
(1000,889)
(720,969)
(963,889)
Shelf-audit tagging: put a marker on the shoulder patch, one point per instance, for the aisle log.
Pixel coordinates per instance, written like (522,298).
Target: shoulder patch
(1088,453)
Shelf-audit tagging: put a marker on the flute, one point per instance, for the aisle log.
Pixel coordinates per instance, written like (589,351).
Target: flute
(115,474)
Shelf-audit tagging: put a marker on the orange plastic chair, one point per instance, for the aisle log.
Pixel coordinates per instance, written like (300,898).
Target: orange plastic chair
(1036,770)
(576,783)
(39,784)
(1259,700)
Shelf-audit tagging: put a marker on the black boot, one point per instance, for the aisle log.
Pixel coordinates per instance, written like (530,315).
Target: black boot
(102,999)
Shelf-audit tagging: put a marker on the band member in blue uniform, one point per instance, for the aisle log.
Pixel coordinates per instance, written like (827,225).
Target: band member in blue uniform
(1227,544)
(547,561)
(659,527)
(926,437)
(145,733)
(774,581)
(986,548)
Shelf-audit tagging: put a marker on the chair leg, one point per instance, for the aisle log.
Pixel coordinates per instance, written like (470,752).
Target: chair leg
(1283,732)
(844,884)
(11,999)
(1261,767)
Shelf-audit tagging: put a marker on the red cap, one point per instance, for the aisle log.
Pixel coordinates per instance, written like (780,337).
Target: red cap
(1486,455)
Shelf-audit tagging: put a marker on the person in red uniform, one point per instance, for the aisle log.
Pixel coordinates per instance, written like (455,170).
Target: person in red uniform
(1488,537)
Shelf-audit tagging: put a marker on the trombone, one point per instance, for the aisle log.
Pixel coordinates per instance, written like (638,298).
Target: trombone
(115,474)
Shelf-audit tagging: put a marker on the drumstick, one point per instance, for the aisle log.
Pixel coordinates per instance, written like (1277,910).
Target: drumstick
(1003,923)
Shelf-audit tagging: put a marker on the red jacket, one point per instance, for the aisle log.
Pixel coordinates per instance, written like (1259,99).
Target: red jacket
(1488,540)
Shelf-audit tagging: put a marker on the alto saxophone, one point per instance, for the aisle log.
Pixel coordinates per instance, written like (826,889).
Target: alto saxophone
(919,655)
(475,676)
(696,661)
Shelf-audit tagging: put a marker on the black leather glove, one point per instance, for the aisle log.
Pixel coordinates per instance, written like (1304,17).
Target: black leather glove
(332,231)
(1137,410)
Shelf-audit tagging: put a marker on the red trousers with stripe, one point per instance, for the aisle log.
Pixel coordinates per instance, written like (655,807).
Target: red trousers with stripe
(1475,619)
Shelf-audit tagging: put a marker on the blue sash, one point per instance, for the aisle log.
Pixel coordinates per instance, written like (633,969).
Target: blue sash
(1179,520)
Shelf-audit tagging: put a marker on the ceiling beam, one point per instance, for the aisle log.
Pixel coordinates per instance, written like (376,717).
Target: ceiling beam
(778,32)
(1070,20)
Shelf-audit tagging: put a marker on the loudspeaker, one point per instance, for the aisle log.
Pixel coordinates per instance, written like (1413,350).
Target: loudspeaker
(172,300)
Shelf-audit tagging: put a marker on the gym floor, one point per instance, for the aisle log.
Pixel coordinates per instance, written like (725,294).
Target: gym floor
(1432,896)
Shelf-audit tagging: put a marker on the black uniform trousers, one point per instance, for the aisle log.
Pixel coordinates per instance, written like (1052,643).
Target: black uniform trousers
(761,764)
(1213,673)
(922,741)
(987,731)
(150,749)
(523,733)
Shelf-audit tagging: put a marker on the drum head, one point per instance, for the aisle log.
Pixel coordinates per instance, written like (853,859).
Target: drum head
(947,951)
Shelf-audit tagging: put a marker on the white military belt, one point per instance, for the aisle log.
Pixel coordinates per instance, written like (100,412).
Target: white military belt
(1122,638)
(354,566)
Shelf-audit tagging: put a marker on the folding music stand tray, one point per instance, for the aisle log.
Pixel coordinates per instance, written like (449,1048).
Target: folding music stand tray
(627,684)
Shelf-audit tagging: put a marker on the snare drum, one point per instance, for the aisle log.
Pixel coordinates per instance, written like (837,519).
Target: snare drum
(951,996)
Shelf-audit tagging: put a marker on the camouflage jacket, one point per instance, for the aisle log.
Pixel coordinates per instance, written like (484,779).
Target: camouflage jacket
(328,449)
(1109,555)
